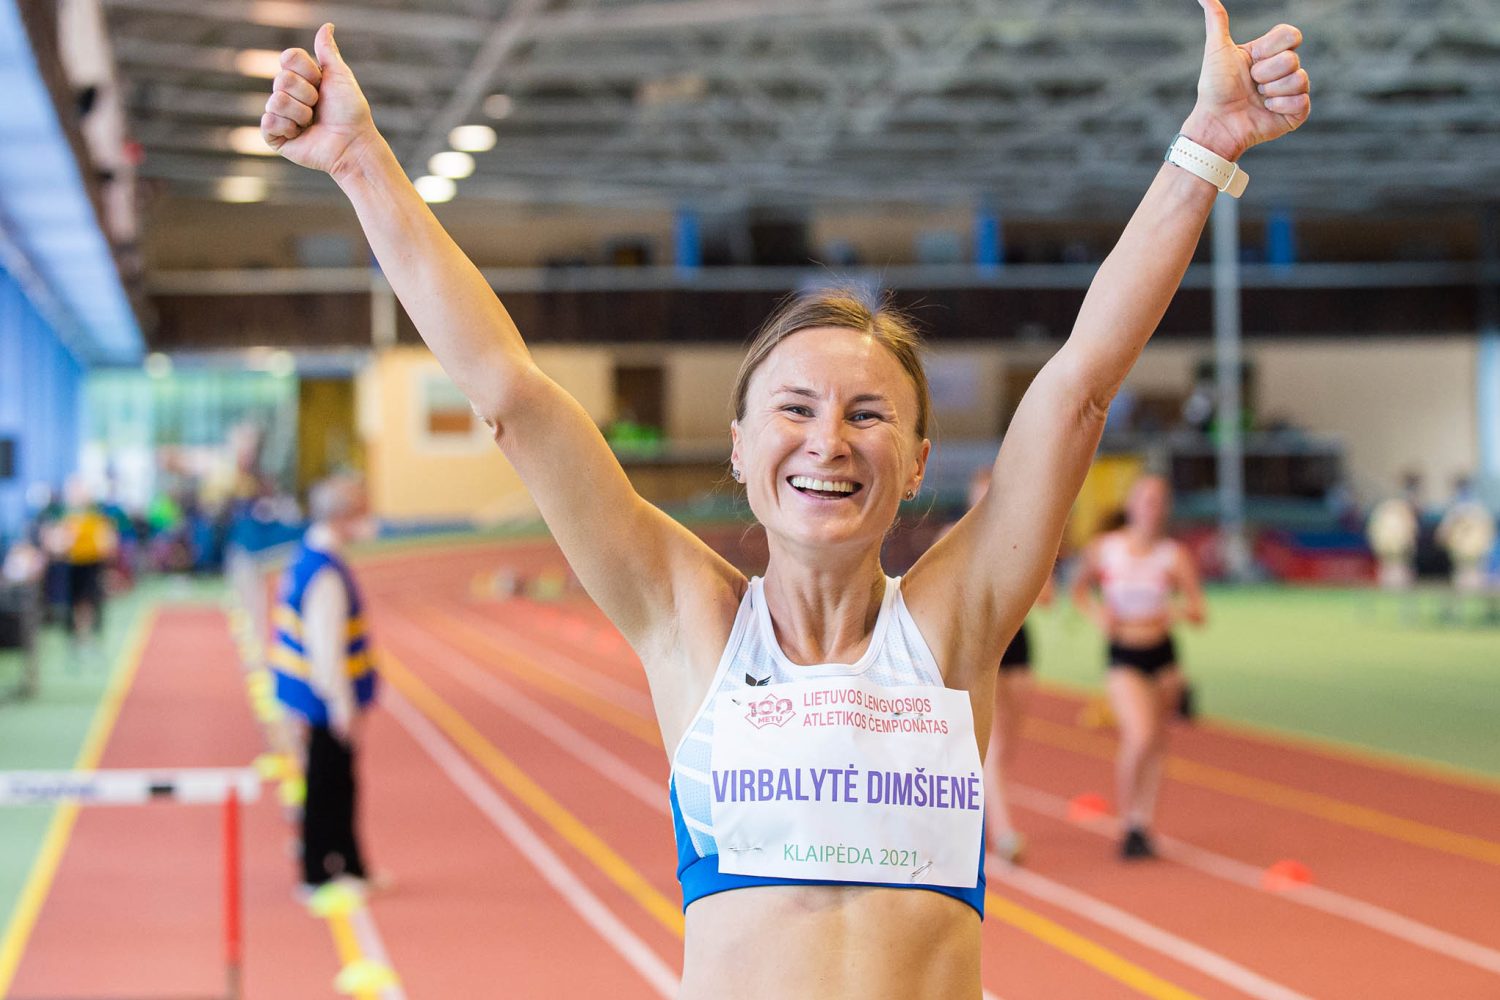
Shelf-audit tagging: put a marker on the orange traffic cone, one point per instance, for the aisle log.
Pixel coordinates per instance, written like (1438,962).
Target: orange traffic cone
(1087,808)
(1285,875)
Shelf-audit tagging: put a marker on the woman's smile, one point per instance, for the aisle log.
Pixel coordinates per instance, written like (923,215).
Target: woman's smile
(824,488)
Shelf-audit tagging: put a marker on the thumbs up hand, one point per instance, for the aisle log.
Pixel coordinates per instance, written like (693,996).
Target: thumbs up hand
(316,115)
(1247,94)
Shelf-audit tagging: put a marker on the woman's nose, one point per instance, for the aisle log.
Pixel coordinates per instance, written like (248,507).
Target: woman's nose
(827,439)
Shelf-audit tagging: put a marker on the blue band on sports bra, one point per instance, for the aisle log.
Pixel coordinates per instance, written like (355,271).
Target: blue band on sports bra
(700,876)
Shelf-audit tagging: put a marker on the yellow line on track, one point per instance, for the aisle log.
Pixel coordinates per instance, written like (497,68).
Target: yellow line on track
(55,841)
(1089,952)
(344,940)
(1272,793)
(481,646)
(1412,767)
(523,787)
(666,912)
(477,644)
(346,943)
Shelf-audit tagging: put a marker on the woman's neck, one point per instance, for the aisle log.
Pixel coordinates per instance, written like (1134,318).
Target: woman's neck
(824,612)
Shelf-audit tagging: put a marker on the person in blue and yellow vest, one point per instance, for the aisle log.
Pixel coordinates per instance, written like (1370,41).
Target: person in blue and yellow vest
(325,675)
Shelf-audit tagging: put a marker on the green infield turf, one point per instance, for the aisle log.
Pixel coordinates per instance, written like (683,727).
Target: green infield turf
(1336,664)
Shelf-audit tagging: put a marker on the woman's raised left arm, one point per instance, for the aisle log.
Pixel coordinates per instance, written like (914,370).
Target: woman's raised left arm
(999,553)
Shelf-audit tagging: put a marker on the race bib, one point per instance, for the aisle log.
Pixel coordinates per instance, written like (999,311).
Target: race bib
(841,779)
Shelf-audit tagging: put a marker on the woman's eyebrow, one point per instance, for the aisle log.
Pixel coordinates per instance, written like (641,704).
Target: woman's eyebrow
(864,397)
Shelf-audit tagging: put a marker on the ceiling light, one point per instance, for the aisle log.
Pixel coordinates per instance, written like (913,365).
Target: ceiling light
(247,140)
(498,106)
(240,190)
(277,14)
(262,63)
(680,88)
(435,189)
(158,365)
(451,164)
(472,138)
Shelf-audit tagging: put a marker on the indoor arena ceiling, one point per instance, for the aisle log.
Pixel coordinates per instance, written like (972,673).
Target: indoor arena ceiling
(1045,106)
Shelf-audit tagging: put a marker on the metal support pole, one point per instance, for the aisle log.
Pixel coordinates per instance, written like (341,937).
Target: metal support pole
(382,311)
(1227,366)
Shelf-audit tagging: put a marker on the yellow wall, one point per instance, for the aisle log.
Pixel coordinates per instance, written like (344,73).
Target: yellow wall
(414,478)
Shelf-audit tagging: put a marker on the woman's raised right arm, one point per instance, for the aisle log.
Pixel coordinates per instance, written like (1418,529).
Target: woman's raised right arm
(318,117)
(639,565)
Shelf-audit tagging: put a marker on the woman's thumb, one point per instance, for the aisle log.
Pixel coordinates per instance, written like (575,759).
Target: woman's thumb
(326,48)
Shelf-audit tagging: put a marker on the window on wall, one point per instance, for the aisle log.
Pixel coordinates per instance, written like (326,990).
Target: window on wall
(142,433)
(446,412)
(445,422)
(640,395)
(640,408)
(1014,381)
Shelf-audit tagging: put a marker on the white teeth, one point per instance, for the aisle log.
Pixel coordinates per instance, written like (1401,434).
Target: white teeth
(822,485)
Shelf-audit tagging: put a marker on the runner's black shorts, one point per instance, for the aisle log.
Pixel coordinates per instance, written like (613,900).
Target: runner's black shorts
(1147,660)
(1017,656)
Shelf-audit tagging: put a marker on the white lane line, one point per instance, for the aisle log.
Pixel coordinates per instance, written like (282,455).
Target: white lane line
(586,677)
(590,907)
(372,947)
(1128,925)
(568,738)
(1210,863)
(563,735)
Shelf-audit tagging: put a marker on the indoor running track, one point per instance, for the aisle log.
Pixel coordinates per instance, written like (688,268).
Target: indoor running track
(515,790)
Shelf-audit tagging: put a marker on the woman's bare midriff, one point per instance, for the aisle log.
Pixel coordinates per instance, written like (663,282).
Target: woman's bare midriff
(1141,633)
(822,942)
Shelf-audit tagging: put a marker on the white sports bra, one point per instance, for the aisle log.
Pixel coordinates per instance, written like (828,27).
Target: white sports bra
(1136,587)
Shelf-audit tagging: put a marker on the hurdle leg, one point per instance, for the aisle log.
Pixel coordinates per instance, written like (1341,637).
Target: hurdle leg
(232,905)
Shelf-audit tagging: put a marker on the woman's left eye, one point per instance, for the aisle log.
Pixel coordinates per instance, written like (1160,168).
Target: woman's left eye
(864,416)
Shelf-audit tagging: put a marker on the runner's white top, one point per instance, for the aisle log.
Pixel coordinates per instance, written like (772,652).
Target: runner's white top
(1136,587)
(861,772)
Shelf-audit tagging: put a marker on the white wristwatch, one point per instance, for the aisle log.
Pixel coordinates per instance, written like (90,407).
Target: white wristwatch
(1205,163)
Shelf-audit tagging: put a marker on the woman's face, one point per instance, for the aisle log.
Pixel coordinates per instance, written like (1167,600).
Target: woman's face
(1149,504)
(828,444)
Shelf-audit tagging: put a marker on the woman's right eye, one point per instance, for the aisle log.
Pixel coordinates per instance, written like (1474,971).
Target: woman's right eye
(798,409)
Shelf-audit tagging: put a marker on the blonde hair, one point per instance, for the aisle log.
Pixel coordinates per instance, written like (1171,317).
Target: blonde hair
(846,309)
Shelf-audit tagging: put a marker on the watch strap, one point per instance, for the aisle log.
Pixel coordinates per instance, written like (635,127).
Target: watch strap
(1205,163)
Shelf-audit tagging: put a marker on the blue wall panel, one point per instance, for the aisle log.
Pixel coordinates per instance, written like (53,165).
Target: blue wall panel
(40,395)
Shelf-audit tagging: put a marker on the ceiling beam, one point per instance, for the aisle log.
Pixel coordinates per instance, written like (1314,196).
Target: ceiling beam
(309,16)
(505,36)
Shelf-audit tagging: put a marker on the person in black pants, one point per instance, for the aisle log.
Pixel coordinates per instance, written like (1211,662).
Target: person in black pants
(324,673)
(329,814)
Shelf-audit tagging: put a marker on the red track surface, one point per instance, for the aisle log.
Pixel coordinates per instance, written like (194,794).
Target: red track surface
(135,910)
(472,915)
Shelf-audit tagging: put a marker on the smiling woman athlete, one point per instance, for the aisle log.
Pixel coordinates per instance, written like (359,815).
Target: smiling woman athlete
(826,719)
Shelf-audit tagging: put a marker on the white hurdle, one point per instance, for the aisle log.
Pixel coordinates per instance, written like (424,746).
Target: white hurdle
(196,785)
(190,785)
